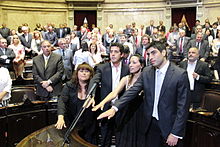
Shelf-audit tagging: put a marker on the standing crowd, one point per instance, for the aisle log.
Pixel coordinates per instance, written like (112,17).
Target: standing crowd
(147,77)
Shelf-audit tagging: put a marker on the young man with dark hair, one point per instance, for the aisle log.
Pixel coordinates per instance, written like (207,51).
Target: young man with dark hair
(166,99)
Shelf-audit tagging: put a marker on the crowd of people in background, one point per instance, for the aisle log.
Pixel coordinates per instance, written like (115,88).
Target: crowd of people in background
(91,45)
(58,52)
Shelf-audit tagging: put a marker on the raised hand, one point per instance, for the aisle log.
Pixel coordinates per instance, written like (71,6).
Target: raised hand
(109,113)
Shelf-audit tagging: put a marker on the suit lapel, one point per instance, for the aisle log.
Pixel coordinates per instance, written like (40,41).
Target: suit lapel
(197,66)
(152,82)
(50,61)
(167,79)
(109,72)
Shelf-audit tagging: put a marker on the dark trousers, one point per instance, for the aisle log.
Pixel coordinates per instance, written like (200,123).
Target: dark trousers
(154,137)
(107,131)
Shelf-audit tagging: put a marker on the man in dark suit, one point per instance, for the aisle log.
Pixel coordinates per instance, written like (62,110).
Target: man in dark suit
(202,45)
(198,30)
(4,31)
(109,75)
(149,29)
(66,29)
(161,27)
(60,31)
(26,39)
(47,72)
(51,36)
(6,54)
(67,56)
(145,42)
(199,74)
(181,44)
(166,99)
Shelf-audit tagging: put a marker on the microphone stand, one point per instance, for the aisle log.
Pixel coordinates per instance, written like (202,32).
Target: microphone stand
(76,119)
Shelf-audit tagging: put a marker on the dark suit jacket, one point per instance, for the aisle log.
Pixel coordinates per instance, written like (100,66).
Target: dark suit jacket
(67,30)
(24,42)
(185,49)
(51,37)
(104,75)
(202,68)
(53,71)
(5,32)
(148,31)
(139,50)
(204,48)
(58,33)
(173,101)
(10,56)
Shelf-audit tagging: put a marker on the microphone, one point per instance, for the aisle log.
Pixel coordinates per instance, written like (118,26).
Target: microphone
(92,89)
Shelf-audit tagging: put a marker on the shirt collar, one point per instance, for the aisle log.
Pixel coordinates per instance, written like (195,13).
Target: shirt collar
(192,63)
(163,70)
(46,57)
(119,66)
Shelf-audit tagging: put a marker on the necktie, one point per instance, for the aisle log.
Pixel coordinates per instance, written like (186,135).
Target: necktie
(46,61)
(158,85)
(198,45)
(63,52)
(181,45)
(145,55)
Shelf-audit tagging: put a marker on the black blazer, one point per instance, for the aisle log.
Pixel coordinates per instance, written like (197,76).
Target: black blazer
(148,31)
(202,68)
(173,101)
(104,76)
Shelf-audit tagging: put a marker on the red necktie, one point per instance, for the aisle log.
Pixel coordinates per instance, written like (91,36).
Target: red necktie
(181,45)
(145,55)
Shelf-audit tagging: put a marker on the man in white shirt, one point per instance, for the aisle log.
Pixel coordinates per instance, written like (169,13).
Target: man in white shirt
(5,85)
(199,74)
(109,75)
(166,99)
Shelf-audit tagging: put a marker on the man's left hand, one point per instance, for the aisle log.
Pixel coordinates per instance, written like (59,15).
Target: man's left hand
(172,140)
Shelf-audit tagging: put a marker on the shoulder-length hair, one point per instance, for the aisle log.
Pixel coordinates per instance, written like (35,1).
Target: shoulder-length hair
(75,78)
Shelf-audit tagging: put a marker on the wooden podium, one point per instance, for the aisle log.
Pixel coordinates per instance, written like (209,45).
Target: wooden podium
(51,137)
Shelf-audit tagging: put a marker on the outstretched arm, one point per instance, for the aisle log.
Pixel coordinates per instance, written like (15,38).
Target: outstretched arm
(112,95)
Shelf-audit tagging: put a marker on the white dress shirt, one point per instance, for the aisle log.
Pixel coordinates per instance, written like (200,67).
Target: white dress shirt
(5,83)
(190,70)
(116,73)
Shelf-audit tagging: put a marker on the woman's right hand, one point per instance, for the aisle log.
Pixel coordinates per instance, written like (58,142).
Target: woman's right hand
(60,122)
(100,105)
